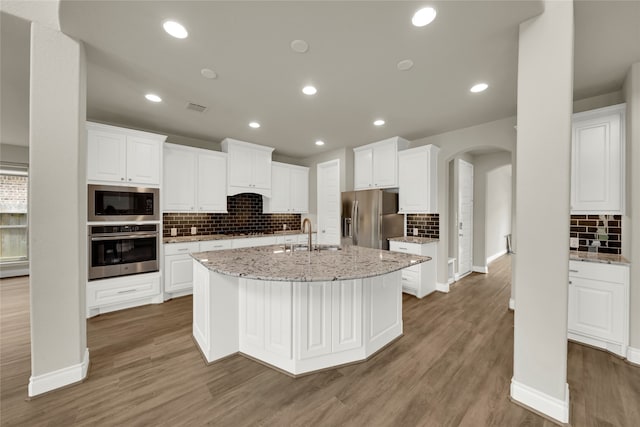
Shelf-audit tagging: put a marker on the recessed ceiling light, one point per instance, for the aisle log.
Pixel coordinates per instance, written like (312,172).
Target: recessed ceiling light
(405,64)
(175,29)
(423,17)
(299,46)
(208,73)
(153,97)
(309,90)
(379,122)
(319,142)
(479,87)
(254,125)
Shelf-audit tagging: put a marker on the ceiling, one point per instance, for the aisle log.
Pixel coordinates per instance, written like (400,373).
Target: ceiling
(353,51)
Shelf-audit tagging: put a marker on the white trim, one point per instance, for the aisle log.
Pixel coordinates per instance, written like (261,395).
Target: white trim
(496,256)
(480,269)
(633,355)
(548,405)
(62,377)
(512,304)
(442,287)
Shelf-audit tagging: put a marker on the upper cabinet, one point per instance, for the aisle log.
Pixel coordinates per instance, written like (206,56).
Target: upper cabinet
(123,156)
(195,180)
(289,189)
(418,180)
(376,165)
(597,161)
(248,166)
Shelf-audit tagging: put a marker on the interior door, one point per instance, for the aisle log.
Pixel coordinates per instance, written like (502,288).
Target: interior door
(329,202)
(465,217)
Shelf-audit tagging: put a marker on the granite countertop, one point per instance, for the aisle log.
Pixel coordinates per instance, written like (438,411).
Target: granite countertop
(413,239)
(598,257)
(274,263)
(205,237)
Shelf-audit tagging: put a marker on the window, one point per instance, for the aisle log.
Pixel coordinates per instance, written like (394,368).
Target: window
(13,214)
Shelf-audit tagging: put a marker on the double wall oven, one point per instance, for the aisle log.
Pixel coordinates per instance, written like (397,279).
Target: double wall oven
(123,249)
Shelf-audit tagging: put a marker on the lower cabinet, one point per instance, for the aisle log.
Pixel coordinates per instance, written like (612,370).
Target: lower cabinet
(418,280)
(106,295)
(598,312)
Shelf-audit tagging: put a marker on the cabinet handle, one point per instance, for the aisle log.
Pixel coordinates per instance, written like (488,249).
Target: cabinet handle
(403,249)
(570,282)
(129,179)
(573,271)
(217,246)
(191,208)
(121,179)
(128,291)
(183,249)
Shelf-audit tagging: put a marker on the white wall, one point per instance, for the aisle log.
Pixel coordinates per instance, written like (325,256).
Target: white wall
(14,154)
(498,211)
(545,87)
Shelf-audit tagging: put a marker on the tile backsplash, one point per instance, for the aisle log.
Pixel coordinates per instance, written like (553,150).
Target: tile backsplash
(245,216)
(428,225)
(605,228)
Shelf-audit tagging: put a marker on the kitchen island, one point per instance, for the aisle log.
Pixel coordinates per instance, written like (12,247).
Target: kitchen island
(295,310)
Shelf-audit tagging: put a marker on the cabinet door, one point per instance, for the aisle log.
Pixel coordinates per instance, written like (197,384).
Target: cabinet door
(315,319)
(179,186)
(299,198)
(346,318)
(278,312)
(385,166)
(596,308)
(240,164)
(178,273)
(212,183)
(106,155)
(280,189)
(363,172)
(143,161)
(597,165)
(261,168)
(252,313)
(413,182)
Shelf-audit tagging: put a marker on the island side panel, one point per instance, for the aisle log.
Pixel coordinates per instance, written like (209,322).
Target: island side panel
(215,313)
(383,310)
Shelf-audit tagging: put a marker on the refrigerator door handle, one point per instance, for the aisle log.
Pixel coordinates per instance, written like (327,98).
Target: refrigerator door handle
(354,222)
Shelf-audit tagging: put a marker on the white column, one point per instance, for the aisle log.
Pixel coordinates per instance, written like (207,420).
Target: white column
(545,85)
(57,210)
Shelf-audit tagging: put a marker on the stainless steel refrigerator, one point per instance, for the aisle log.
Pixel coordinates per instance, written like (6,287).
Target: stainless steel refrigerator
(370,217)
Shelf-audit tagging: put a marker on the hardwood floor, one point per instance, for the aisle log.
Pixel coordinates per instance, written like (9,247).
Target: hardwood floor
(452,367)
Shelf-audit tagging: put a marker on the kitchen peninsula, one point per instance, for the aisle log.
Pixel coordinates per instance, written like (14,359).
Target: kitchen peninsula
(296,310)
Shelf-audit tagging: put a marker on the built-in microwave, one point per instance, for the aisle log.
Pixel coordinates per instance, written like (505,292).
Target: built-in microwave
(116,203)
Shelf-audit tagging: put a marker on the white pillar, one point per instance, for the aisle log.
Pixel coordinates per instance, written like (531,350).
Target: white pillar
(545,86)
(57,210)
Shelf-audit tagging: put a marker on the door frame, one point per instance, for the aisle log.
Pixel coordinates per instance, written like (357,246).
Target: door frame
(464,164)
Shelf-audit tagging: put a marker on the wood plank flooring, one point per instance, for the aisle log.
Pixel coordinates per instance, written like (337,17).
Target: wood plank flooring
(452,367)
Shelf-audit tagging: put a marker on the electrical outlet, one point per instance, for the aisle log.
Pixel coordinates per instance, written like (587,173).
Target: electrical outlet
(284,227)
(415,231)
(574,243)
(194,230)
(174,232)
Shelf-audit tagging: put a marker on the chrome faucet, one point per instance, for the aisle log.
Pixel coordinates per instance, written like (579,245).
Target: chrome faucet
(304,224)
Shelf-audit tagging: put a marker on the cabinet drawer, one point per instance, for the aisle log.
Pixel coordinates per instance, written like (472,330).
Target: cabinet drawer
(215,245)
(290,238)
(597,271)
(181,248)
(410,279)
(113,291)
(407,248)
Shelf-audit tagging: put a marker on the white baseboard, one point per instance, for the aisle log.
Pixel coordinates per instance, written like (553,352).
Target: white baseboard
(633,355)
(442,287)
(480,269)
(496,256)
(62,377)
(512,304)
(538,401)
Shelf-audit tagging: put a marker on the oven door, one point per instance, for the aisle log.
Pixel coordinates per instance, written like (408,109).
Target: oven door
(122,254)
(115,203)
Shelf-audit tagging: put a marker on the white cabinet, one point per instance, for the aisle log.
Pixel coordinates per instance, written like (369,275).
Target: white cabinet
(420,279)
(599,305)
(194,180)
(248,167)
(376,165)
(315,319)
(123,156)
(598,161)
(104,296)
(289,189)
(178,264)
(418,180)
